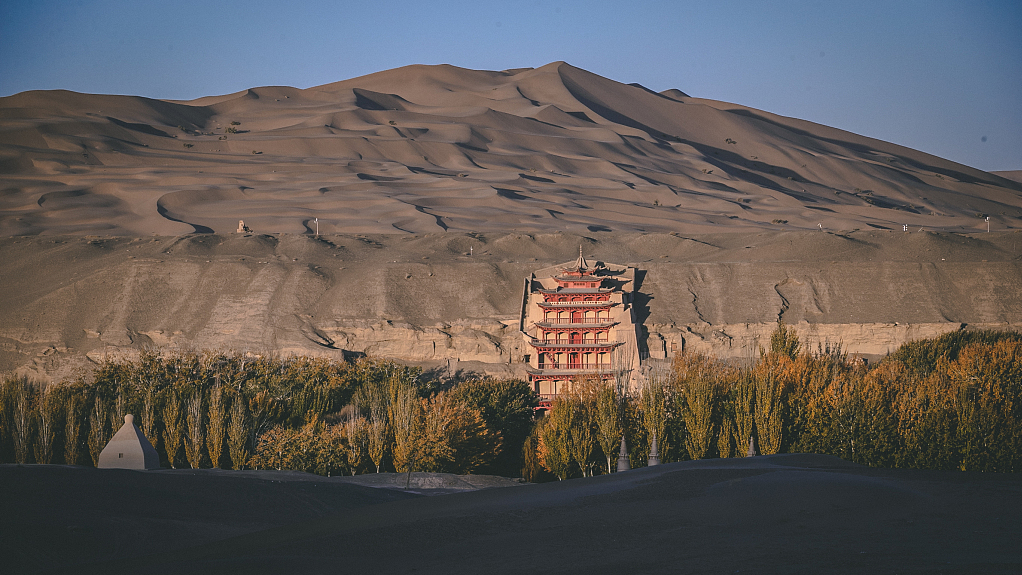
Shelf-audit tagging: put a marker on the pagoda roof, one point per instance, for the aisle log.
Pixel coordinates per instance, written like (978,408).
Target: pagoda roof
(582,291)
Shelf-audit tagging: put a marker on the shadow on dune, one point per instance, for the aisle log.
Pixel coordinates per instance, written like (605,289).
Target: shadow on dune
(772,514)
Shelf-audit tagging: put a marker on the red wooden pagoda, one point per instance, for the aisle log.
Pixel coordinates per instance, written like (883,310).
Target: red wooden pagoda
(578,319)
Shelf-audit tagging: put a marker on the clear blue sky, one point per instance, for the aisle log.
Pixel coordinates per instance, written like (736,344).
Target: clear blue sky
(942,77)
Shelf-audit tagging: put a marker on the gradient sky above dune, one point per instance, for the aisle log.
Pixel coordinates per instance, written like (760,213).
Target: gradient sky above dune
(942,77)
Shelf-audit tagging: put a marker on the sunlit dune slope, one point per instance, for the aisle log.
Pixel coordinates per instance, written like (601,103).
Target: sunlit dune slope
(433,148)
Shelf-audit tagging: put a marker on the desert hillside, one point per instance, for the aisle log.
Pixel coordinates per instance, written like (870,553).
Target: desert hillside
(397,214)
(426,149)
(455,298)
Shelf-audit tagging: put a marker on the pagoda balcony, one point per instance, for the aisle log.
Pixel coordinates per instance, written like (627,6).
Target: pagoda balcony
(564,304)
(596,345)
(575,322)
(566,369)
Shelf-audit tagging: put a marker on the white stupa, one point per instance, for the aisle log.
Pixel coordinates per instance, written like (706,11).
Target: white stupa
(129,449)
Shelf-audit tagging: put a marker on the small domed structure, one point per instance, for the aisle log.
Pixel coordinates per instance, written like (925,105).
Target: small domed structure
(129,449)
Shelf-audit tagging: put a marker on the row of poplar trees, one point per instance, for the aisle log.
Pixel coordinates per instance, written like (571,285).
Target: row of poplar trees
(237,411)
(951,403)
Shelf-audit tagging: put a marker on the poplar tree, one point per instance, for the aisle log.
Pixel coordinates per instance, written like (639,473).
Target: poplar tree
(172,426)
(238,432)
(97,429)
(47,414)
(608,422)
(72,426)
(195,430)
(216,426)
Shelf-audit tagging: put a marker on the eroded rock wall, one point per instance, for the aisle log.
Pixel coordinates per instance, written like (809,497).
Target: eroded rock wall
(68,302)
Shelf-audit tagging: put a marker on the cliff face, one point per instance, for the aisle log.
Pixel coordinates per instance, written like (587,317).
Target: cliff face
(68,301)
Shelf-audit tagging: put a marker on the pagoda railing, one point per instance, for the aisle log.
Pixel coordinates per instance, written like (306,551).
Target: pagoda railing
(575,365)
(575,303)
(600,343)
(577,320)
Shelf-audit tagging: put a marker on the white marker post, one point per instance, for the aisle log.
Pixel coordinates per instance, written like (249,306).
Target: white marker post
(988,224)
(317,226)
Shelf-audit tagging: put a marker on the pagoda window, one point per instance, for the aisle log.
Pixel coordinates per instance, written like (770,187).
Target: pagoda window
(547,387)
(576,317)
(548,336)
(589,337)
(573,361)
(544,361)
(588,360)
(558,361)
(576,337)
(562,337)
(590,316)
(603,360)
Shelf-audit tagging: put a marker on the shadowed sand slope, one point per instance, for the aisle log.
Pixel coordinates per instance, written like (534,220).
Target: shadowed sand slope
(434,148)
(773,514)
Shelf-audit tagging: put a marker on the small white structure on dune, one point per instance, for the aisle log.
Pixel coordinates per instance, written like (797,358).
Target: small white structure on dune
(129,449)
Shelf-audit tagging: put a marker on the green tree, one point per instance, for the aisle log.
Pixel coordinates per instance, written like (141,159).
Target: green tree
(216,428)
(769,412)
(195,437)
(173,426)
(48,414)
(696,387)
(97,429)
(507,405)
(784,341)
(553,439)
(73,405)
(406,419)
(238,432)
(608,422)
(455,438)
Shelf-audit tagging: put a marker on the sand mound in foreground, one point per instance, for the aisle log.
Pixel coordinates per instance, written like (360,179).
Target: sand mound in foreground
(773,514)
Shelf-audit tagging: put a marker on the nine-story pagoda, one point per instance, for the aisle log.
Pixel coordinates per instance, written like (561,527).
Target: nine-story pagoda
(578,319)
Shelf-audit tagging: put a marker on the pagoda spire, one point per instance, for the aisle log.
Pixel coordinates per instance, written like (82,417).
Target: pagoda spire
(622,458)
(581,264)
(654,453)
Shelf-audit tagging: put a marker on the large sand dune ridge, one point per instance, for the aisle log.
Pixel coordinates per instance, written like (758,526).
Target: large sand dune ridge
(424,149)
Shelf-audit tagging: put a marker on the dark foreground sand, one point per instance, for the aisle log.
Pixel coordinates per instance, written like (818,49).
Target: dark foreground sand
(775,514)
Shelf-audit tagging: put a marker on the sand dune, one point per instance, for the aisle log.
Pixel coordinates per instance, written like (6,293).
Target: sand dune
(774,514)
(426,149)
